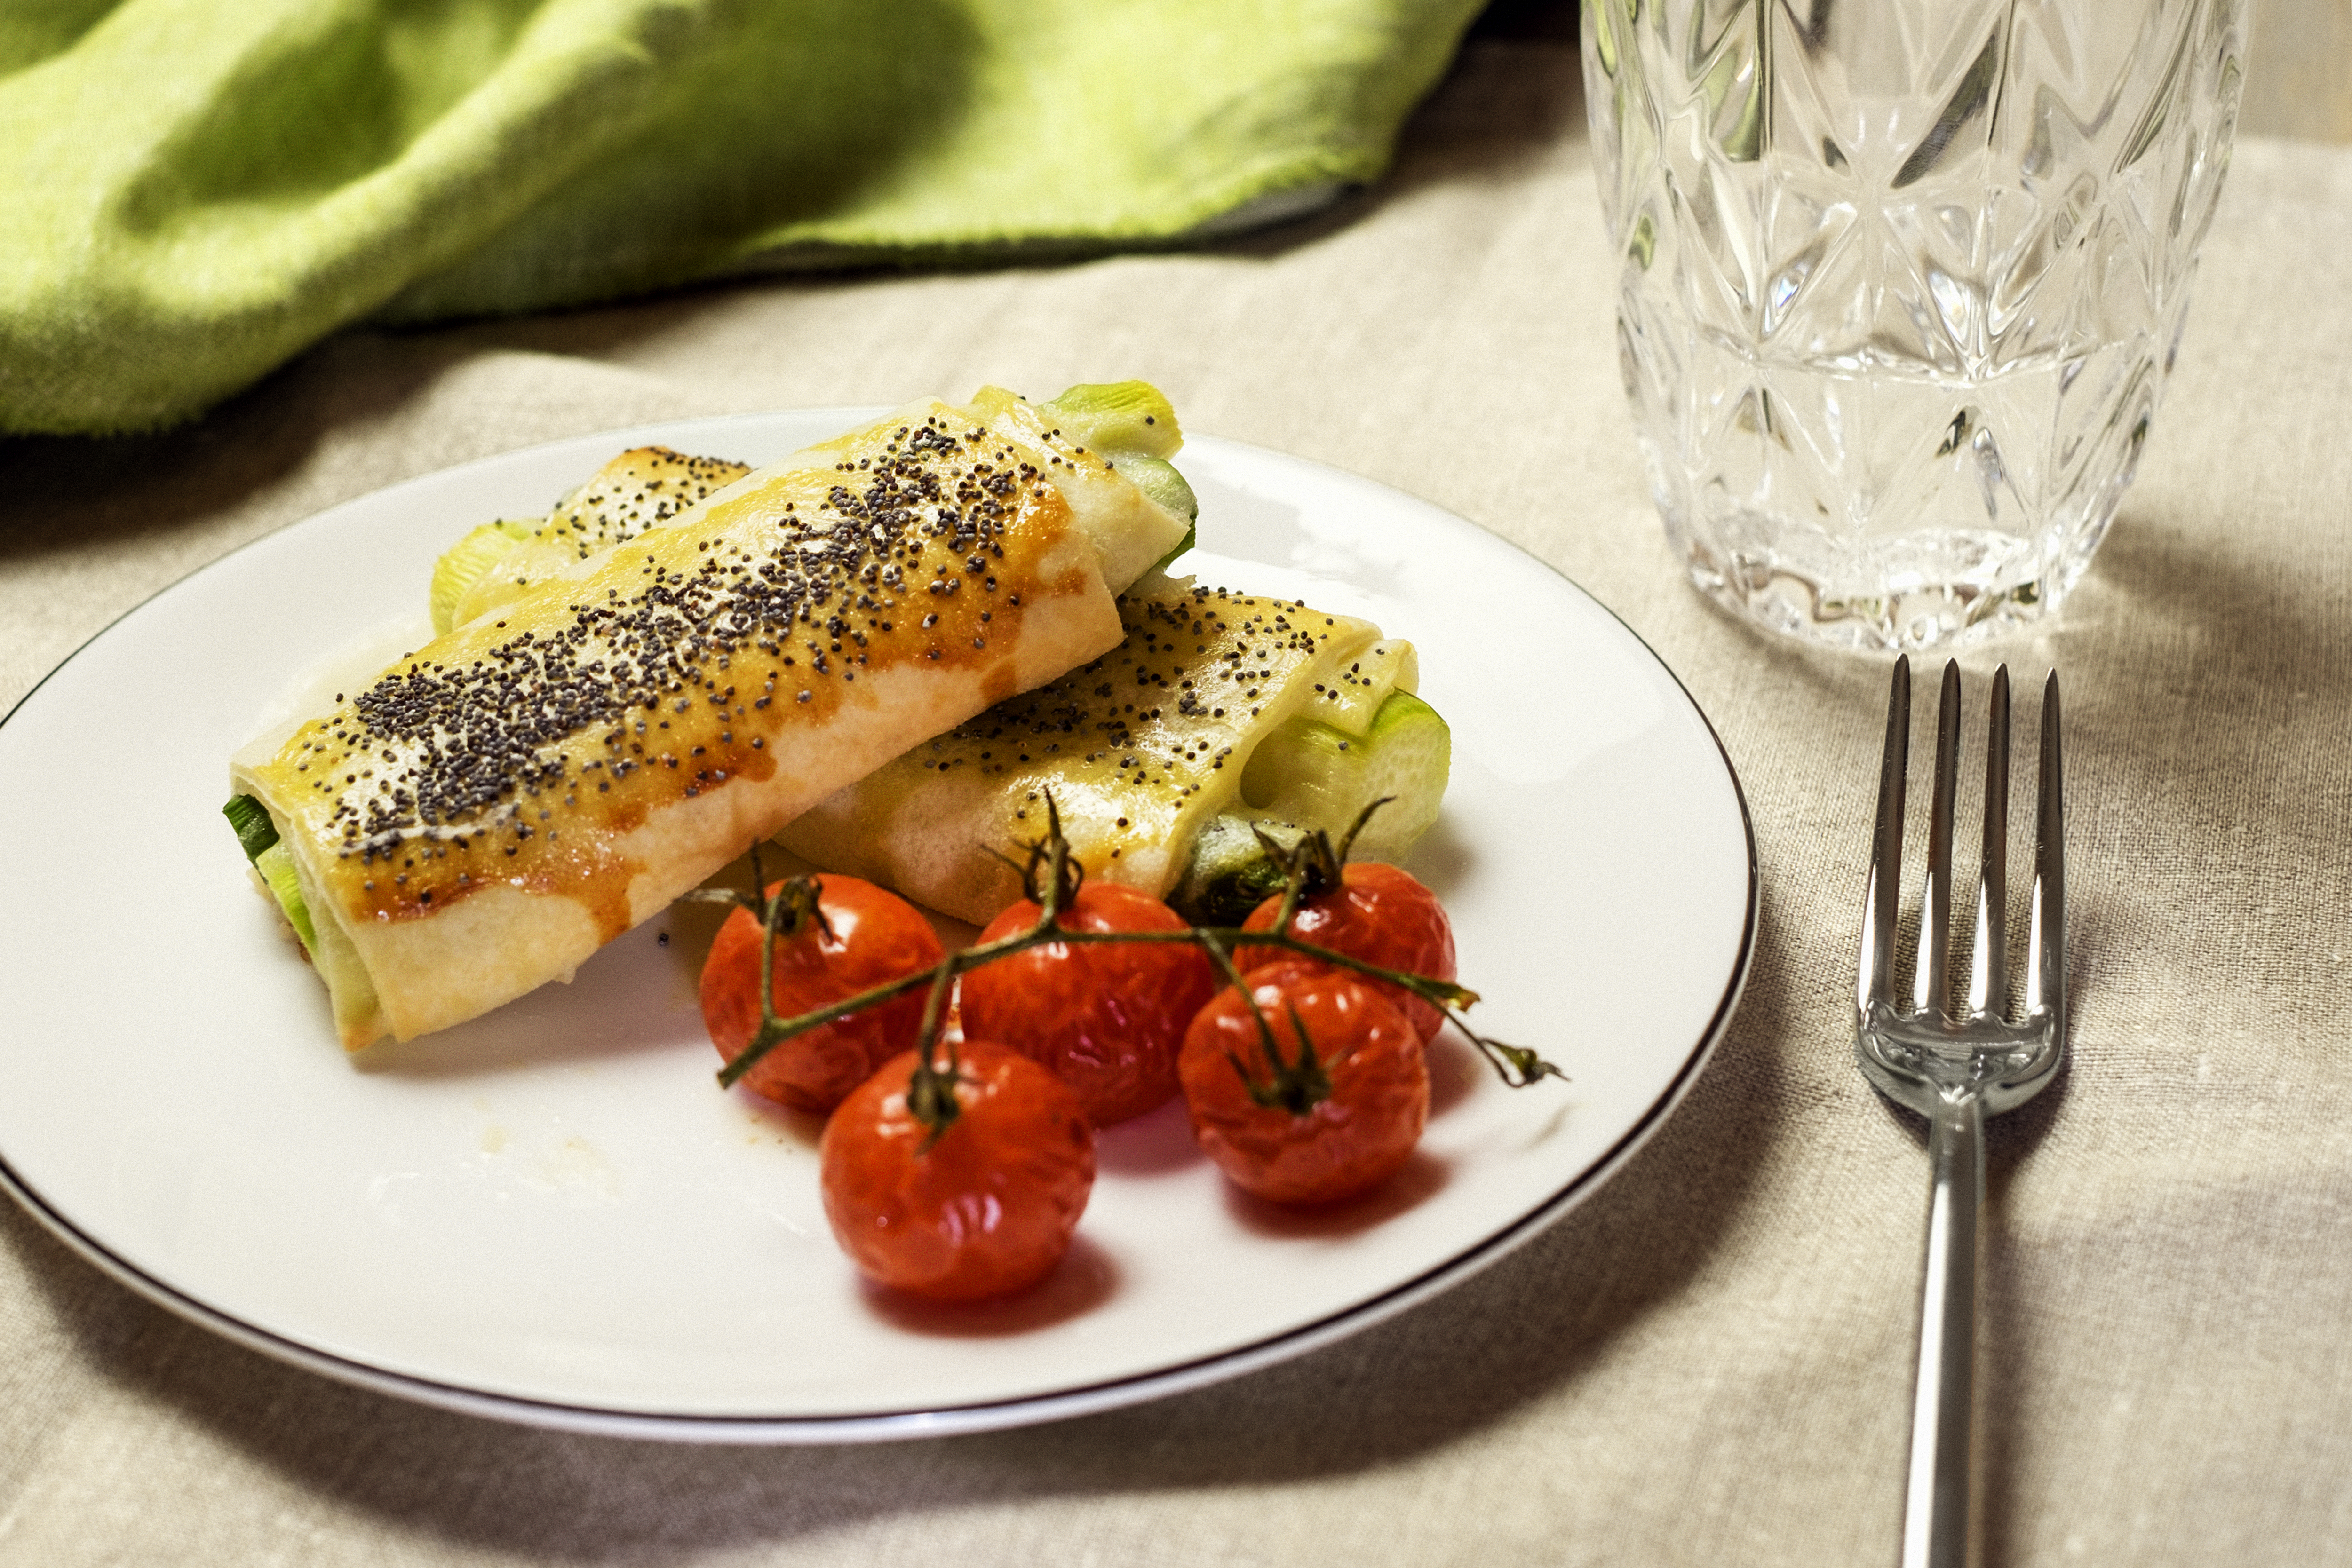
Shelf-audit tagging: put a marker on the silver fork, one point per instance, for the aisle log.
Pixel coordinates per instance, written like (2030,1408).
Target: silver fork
(1956,1066)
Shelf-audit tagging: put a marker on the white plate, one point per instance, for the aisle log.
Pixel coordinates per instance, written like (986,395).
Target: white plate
(551,1215)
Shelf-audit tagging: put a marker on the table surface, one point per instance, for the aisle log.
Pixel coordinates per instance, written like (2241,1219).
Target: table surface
(1709,1362)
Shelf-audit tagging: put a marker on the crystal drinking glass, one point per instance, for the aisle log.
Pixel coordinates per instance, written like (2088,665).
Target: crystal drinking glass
(1901,282)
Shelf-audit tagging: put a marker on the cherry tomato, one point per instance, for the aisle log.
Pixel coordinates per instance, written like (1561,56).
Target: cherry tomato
(988,1207)
(1380,915)
(1108,1019)
(874,938)
(1343,1128)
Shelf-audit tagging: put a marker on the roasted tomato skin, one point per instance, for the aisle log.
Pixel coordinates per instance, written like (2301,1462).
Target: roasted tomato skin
(876,938)
(987,1209)
(1108,1019)
(1345,1143)
(1380,915)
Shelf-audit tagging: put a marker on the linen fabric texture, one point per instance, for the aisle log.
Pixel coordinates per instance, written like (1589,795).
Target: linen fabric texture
(198,191)
(1709,1362)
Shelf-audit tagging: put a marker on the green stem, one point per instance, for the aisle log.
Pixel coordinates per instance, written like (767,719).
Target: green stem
(1297,1086)
(930,1093)
(1356,826)
(1225,961)
(1516,1066)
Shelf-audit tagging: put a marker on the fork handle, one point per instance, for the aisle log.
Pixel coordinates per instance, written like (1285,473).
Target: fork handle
(1937,1510)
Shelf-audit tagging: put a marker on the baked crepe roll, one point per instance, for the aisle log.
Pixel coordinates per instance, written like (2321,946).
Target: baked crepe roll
(1216,709)
(522,790)
(642,488)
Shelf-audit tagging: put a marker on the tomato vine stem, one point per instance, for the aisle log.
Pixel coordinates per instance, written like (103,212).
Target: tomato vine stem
(931,1094)
(1297,1086)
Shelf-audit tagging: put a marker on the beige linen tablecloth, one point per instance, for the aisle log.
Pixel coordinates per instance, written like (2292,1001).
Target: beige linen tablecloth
(1709,1361)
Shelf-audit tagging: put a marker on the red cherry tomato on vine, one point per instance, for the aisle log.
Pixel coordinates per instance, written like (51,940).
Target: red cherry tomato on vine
(1108,1019)
(1378,913)
(1307,1129)
(874,938)
(988,1207)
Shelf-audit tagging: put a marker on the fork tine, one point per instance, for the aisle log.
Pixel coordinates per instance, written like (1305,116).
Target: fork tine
(2045,982)
(1878,983)
(1932,984)
(1956,1071)
(1988,967)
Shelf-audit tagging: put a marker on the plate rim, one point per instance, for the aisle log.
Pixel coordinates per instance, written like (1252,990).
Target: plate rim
(952,1419)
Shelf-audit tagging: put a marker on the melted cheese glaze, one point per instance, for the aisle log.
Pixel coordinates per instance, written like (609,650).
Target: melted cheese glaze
(1141,748)
(518,791)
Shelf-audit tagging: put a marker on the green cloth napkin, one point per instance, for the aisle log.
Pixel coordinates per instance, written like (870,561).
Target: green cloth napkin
(197,190)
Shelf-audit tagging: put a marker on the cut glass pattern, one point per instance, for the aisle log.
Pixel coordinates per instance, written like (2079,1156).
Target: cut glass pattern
(1901,282)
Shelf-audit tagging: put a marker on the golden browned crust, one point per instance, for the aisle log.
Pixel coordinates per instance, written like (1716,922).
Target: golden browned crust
(642,488)
(495,807)
(1141,748)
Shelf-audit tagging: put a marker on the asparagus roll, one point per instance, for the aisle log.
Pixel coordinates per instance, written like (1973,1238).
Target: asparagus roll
(642,488)
(1219,713)
(530,784)
(1220,720)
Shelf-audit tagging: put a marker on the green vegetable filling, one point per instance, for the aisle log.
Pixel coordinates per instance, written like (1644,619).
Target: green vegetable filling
(466,563)
(274,860)
(1158,479)
(1315,775)
(255,831)
(1229,874)
(1310,775)
(1120,417)
(1131,426)
(1192,537)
